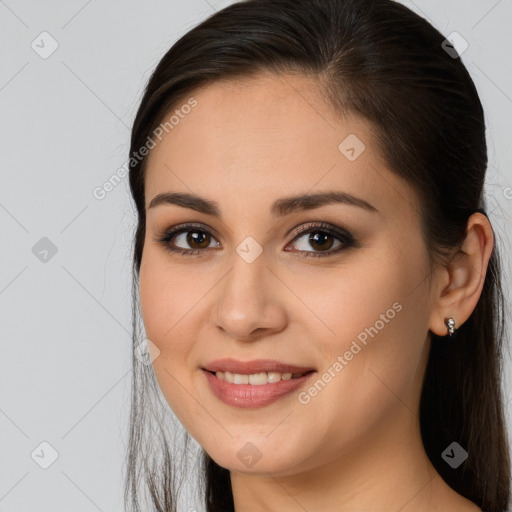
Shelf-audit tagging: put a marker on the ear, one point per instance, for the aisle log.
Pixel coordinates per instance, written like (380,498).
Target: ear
(461,279)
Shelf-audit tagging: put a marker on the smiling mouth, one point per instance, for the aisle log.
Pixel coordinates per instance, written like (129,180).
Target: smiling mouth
(257,379)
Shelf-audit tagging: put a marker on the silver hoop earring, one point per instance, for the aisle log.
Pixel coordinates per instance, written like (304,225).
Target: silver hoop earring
(450,323)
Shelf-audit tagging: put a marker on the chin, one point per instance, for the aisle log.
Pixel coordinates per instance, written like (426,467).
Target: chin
(252,465)
(256,455)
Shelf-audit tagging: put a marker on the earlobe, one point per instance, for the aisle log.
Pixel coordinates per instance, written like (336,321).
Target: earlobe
(466,272)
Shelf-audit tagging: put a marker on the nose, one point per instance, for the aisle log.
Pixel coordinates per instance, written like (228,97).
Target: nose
(249,301)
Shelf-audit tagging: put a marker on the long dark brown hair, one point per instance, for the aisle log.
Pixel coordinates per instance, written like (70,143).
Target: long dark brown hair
(379,60)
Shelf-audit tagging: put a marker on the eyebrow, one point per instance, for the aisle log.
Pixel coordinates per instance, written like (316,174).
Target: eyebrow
(280,207)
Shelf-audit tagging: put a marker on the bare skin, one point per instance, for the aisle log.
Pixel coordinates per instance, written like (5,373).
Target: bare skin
(355,445)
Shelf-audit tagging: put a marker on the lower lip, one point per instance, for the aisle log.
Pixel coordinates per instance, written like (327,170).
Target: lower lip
(251,395)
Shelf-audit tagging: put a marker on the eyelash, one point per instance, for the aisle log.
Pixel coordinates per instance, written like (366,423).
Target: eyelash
(343,236)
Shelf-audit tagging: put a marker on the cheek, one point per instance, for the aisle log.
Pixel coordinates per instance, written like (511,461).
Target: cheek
(362,294)
(164,303)
(173,313)
(166,295)
(375,354)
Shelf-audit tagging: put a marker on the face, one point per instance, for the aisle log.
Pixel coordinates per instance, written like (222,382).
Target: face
(345,300)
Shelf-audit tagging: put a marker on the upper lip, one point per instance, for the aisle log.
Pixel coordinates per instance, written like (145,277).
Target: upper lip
(254,366)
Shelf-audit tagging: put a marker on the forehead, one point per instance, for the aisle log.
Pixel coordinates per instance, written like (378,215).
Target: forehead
(265,137)
(266,120)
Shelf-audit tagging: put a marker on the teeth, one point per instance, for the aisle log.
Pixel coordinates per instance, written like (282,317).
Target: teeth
(240,379)
(256,379)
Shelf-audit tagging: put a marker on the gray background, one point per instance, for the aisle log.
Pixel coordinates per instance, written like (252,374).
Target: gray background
(64,130)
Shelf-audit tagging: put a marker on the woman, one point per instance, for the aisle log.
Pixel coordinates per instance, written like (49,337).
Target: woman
(318,279)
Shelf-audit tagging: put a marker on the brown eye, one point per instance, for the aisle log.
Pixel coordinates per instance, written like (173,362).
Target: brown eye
(318,240)
(323,239)
(190,240)
(200,238)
